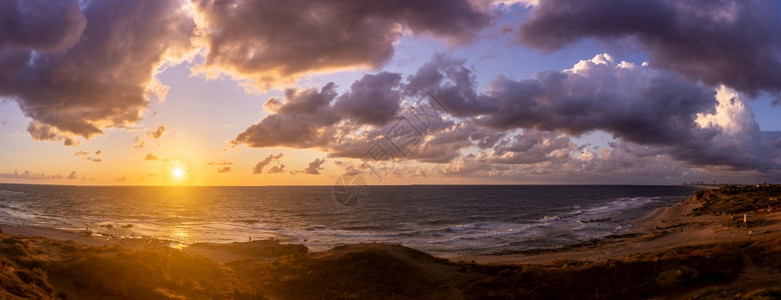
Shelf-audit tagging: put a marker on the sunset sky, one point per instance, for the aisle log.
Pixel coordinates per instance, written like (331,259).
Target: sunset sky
(259,92)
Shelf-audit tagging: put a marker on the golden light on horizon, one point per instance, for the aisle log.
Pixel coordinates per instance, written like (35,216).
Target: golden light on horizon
(178,173)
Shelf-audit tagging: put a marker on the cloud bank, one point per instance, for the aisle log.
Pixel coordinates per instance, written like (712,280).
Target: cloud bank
(77,72)
(267,42)
(731,42)
(76,68)
(655,117)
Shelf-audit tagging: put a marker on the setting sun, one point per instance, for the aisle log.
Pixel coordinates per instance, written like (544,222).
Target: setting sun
(443,149)
(178,173)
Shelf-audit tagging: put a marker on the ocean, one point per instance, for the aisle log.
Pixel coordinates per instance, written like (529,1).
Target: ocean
(444,220)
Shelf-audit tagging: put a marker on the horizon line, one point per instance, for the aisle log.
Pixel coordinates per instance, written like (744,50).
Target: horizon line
(378,185)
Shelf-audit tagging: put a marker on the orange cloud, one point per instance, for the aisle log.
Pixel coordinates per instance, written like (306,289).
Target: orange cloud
(157,133)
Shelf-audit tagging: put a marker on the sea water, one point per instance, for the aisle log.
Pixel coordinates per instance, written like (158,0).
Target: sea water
(444,220)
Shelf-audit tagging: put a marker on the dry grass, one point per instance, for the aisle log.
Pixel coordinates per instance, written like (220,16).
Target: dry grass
(45,269)
(50,269)
(737,199)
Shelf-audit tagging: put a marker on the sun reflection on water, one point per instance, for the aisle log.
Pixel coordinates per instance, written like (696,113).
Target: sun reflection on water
(180,236)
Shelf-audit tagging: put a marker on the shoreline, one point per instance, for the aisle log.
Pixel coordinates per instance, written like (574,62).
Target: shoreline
(105,236)
(94,238)
(448,231)
(665,228)
(56,234)
(671,253)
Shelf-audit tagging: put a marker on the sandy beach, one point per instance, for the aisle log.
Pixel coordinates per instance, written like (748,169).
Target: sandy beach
(666,228)
(688,250)
(80,237)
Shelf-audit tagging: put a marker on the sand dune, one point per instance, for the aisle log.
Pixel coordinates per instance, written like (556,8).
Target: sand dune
(689,250)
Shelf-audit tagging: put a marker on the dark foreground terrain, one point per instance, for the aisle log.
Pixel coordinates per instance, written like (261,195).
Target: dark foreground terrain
(32,267)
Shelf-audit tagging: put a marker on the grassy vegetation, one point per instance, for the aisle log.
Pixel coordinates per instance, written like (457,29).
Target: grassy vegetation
(45,269)
(36,268)
(753,222)
(738,199)
(261,248)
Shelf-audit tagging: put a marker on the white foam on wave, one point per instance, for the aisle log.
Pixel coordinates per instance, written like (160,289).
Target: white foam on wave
(469,230)
(577,225)
(18,214)
(10,193)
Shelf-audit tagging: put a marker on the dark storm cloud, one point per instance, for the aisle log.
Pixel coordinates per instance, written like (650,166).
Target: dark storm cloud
(372,100)
(308,118)
(74,80)
(42,132)
(687,121)
(636,103)
(732,42)
(348,125)
(297,122)
(267,41)
(76,68)
(639,105)
(42,25)
(451,82)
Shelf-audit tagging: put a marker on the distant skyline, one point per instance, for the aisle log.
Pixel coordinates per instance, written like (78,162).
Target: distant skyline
(257,92)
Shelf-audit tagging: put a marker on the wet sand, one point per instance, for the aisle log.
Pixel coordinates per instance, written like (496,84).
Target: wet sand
(665,228)
(83,237)
(651,262)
